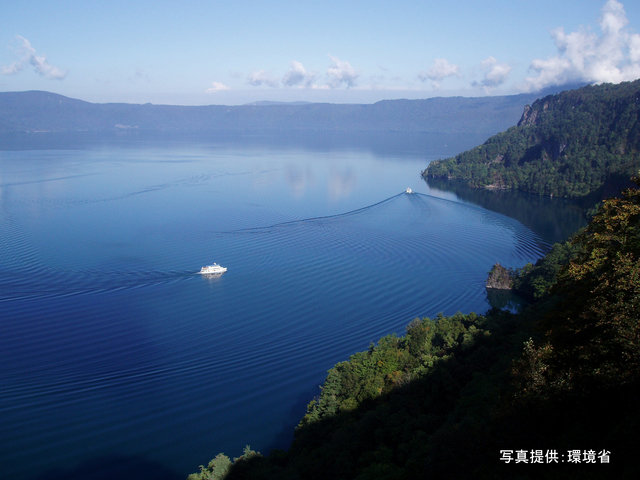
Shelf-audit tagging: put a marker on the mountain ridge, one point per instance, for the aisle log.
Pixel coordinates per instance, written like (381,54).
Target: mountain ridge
(39,111)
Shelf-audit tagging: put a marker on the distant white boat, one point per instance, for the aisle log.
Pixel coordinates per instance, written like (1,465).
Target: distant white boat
(408,190)
(214,269)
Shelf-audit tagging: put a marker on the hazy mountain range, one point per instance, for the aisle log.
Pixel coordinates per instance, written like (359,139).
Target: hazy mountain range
(37,111)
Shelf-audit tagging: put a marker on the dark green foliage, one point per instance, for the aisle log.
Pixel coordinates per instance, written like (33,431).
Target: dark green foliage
(216,470)
(386,434)
(566,145)
(596,328)
(391,363)
(535,281)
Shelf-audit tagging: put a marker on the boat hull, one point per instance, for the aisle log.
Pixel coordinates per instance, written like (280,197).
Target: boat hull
(213,270)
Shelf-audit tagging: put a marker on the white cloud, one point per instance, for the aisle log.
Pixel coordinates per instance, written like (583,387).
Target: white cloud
(45,69)
(341,73)
(495,74)
(634,48)
(28,55)
(298,76)
(583,56)
(261,77)
(12,69)
(216,87)
(440,70)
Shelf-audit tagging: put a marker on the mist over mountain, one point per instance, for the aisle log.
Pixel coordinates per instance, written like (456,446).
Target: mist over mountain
(38,111)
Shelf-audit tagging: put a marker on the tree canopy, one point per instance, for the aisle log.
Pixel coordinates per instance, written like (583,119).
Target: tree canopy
(569,145)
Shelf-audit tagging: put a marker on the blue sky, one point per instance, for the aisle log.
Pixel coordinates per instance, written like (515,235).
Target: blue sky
(196,52)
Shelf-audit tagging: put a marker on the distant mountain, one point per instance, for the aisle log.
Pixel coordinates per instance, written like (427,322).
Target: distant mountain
(570,145)
(37,111)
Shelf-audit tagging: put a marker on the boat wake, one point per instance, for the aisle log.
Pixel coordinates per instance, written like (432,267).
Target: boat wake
(405,231)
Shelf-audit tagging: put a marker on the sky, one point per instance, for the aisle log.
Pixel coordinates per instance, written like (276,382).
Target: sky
(204,52)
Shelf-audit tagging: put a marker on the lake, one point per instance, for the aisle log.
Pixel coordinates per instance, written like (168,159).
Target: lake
(119,359)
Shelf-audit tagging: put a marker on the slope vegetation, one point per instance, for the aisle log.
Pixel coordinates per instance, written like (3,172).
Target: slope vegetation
(569,144)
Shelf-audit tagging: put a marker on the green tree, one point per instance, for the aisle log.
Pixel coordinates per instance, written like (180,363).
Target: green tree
(535,281)
(596,328)
(216,470)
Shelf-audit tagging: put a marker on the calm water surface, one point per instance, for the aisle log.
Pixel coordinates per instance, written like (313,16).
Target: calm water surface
(116,354)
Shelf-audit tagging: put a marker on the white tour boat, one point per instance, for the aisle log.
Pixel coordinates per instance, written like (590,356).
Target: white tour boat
(408,190)
(214,269)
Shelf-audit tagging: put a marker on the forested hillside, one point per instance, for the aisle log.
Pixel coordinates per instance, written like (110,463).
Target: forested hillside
(569,145)
(548,393)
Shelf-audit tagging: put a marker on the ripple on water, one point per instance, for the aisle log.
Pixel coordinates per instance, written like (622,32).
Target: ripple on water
(102,359)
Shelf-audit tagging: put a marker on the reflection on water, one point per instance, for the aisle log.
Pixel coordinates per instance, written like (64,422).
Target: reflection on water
(391,145)
(506,300)
(554,219)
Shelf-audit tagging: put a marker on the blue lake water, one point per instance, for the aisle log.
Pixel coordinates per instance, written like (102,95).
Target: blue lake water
(115,353)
